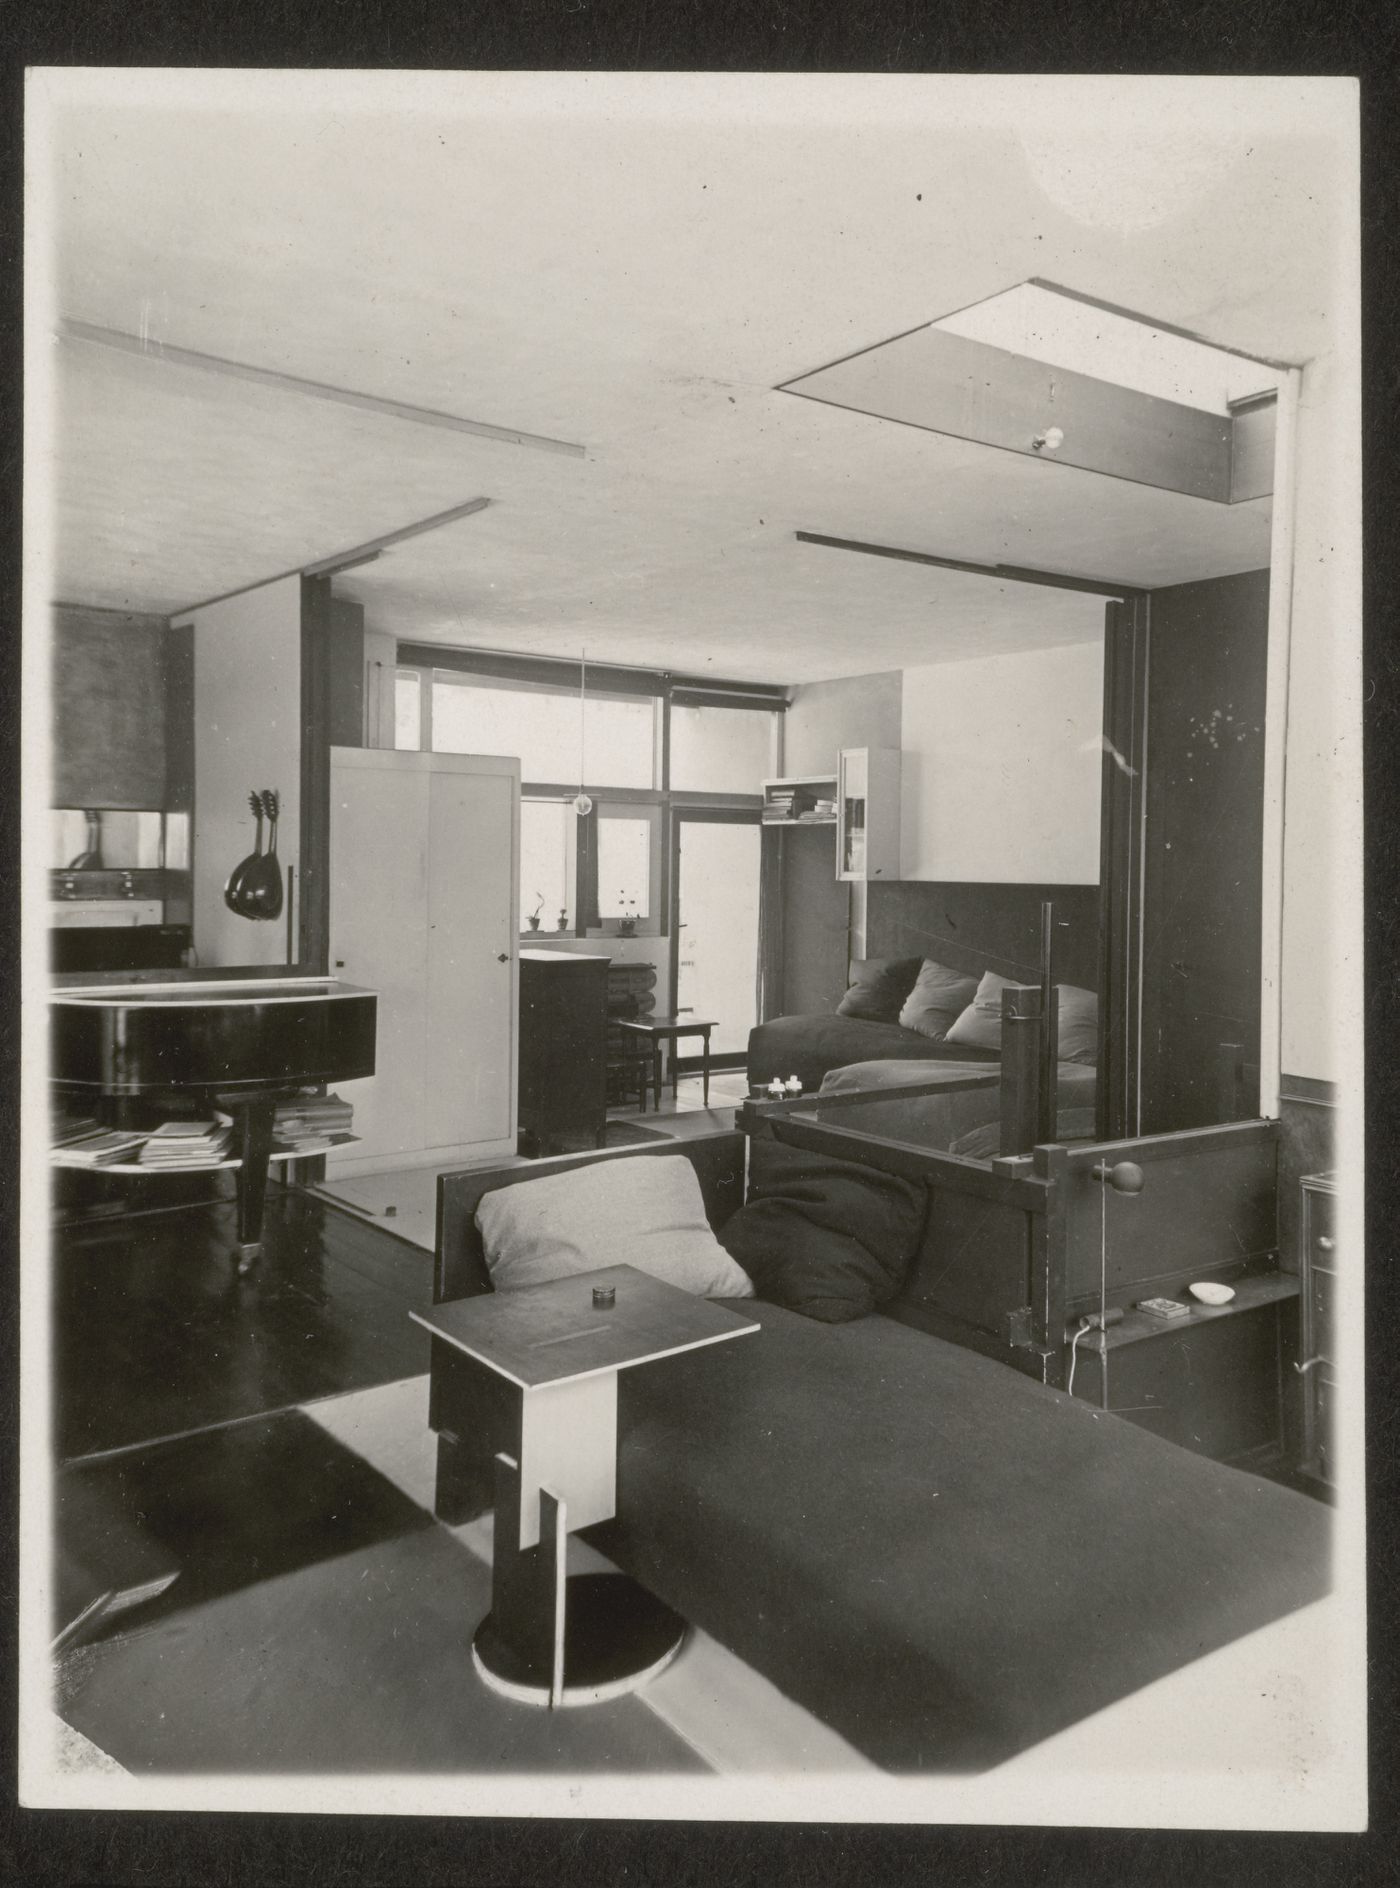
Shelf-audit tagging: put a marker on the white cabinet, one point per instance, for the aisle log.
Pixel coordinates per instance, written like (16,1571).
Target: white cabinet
(424,897)
(867,813)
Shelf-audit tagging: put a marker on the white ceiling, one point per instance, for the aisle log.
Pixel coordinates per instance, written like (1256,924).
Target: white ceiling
(635,266)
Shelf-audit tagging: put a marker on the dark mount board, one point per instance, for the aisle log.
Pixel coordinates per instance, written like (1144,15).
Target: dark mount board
(969,926)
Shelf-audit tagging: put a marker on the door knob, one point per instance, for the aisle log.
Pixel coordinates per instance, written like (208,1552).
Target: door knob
(502,957)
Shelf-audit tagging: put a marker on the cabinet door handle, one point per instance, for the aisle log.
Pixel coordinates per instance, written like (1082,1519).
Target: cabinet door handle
(1325,1244)
(502,957)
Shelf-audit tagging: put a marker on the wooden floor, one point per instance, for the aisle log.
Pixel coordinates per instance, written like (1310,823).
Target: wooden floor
(155,1334)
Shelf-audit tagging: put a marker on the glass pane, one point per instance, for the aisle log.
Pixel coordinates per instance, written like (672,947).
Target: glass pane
(720,750)
(717,946)
(547,833)
(408,708)
(114,840)
(624,867)
(542,728)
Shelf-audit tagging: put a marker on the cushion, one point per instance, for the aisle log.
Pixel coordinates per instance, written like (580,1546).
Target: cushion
(937,999)
(1079,1024)
(642,1210)
(979,1025)
(878,986)
(825,1237)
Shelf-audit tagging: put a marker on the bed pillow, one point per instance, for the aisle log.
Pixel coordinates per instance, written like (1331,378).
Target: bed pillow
(878,986)
(827,1238)
(643,1210)
(979,1025)
(937,999)
(1079,1024)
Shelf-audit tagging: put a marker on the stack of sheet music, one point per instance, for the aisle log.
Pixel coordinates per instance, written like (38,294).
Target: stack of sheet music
(187,1144)
(89,1144)
(312,1124)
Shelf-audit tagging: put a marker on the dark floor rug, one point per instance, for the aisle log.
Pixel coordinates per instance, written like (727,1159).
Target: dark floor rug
(357,1664)
(155,1333)
(226,1507)
(629,1134)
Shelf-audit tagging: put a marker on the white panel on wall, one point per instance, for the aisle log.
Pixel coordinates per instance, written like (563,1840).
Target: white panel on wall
(1002,767)
(247,734)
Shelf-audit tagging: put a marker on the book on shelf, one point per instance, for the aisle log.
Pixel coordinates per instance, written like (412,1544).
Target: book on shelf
(187,1144)
(101,1147)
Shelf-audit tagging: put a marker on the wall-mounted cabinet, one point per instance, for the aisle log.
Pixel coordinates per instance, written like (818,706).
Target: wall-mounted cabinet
(867,813)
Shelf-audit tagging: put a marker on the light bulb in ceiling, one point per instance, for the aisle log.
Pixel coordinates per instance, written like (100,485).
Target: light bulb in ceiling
(583,805)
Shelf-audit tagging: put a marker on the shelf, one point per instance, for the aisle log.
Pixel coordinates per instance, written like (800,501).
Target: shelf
(58,1158)
(1263,1288)
(827,819)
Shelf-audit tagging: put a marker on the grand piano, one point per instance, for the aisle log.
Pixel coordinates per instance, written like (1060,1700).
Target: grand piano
(241,1041)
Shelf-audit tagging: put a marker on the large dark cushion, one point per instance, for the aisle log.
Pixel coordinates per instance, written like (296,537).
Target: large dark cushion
(807,1046)
(825,1237)
(941,1559)
(879,986)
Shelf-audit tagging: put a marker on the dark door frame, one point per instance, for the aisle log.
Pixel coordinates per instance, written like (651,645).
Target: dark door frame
(711,815)
(1127,648)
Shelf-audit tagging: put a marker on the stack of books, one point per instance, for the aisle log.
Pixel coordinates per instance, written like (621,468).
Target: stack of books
(778,804)
(187,1144)
(819,809)
(88,1144)
(311,1124)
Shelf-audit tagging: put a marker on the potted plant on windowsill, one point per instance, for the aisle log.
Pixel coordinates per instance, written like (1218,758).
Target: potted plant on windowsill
(534,918)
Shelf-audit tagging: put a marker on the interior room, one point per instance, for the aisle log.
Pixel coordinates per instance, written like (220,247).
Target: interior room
(774,663)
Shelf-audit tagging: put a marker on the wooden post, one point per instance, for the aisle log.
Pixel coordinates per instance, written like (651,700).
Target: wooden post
(1021,1017)
(1049,1248)
(1047,1115)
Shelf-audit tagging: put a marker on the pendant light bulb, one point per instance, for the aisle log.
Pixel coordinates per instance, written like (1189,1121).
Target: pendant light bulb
(583,805)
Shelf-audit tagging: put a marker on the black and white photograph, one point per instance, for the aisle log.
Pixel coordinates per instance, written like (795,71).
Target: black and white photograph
(692,1032)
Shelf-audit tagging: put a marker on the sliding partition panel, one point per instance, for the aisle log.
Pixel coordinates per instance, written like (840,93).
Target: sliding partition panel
(1126,648)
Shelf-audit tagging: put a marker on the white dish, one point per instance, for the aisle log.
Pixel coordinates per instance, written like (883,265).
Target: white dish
(1212,1294)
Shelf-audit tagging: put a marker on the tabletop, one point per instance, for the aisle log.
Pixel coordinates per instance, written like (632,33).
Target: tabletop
(656,1024)
(549,1333)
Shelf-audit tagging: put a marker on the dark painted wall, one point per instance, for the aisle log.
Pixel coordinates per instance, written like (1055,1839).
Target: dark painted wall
(978,927)
(113,715)
(1204,803)
(816,921)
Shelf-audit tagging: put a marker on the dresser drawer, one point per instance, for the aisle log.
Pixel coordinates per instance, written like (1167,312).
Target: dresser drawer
(1324,1435)
(1322,1315)
(1321,1225)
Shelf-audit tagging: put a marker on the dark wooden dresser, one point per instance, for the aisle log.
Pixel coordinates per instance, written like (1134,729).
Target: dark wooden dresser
(563,1102)
(1317,1266)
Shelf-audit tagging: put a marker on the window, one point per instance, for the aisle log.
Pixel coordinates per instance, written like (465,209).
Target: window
(548,861)
(408,708)
(721,750)
(624,865)
(558,738)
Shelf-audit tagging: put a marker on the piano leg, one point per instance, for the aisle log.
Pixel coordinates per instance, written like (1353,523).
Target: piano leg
(254,1123)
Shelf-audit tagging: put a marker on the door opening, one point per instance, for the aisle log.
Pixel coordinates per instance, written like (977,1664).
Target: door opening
(715,858)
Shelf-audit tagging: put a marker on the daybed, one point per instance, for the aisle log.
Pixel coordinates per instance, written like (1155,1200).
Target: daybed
(942,1559)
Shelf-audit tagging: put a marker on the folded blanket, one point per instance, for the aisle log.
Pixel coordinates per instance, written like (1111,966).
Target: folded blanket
(828,1238)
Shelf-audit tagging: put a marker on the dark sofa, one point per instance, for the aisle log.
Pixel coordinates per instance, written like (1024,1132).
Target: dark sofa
(810,1046)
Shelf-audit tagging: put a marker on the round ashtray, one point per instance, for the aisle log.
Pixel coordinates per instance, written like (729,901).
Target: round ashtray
(1210,1294)
(604,1297)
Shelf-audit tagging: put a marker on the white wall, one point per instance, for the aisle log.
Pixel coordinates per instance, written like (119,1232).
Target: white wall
(856,711)
(1321,938)
(247,733)
(1002,768)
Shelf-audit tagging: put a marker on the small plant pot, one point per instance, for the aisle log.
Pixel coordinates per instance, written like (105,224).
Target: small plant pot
(533,923)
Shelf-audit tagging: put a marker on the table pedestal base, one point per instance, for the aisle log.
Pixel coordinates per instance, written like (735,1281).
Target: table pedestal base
(616,1637)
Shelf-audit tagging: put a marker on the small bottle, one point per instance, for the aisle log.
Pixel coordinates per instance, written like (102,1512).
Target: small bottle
(794,1086)
(776,1088)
